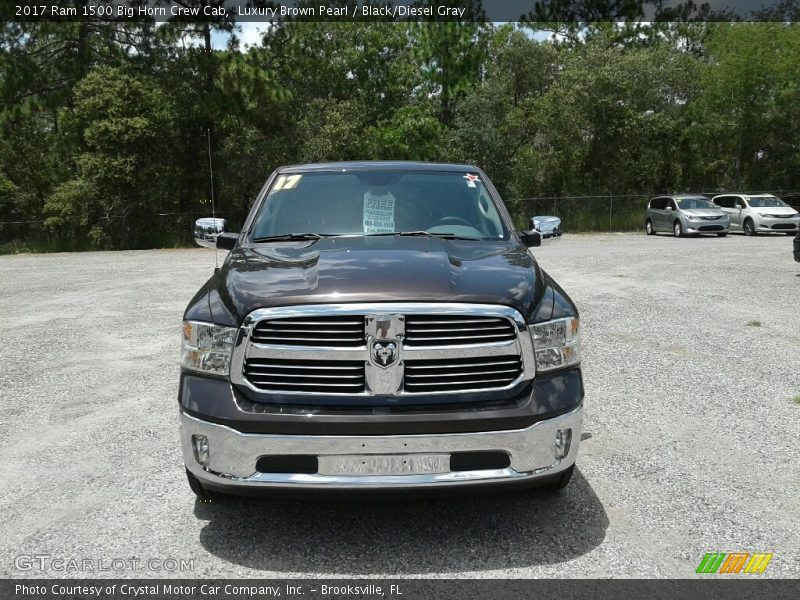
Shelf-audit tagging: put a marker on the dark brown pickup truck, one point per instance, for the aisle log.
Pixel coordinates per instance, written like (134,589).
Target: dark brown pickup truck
(379,325)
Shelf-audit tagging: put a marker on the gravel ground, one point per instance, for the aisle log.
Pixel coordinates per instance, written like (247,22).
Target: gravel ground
(692,430)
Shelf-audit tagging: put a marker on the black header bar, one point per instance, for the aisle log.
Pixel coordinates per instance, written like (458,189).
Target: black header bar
(265,11)
(701,588)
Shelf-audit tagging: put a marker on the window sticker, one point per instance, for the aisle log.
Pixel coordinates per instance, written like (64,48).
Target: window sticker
(378,212)
(471,179)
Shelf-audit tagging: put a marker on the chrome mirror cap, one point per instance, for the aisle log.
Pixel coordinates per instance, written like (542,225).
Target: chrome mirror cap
(548,226)
(206,231)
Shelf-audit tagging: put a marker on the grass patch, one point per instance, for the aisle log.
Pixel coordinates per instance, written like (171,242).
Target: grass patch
(32,247)
(796,399)
(754,323)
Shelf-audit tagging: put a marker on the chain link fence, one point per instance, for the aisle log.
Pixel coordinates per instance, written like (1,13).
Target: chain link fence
(167,230)
(585,213)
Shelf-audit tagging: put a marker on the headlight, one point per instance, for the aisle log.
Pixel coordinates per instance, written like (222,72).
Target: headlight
(207,347)
(557,343)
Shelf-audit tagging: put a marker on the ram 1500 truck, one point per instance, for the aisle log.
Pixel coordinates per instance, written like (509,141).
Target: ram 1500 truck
(379,325)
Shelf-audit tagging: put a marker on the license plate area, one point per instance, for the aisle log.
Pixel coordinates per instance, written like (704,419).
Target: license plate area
(384,464)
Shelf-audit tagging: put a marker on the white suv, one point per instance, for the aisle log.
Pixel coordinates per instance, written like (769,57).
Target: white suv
(756,213)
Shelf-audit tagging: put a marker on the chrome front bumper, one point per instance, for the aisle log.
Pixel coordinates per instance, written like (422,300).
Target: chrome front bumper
(232,455)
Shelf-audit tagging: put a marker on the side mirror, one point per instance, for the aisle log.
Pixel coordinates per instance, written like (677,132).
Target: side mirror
(206,231)
(739,205)
(531,239)
(226,241)
(548,227)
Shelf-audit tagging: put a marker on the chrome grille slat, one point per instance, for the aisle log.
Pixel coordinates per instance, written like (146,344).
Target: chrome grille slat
(262,375)
(439,330)
(420,330)
(466,336)
(295,385)
(304,323)
(320,331)
(283,339)
(438,320)
(461,374)
(305,376)
(443,383)
(298,330)
(304,368)
(450,366)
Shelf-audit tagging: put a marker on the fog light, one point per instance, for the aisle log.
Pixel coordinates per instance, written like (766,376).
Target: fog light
(200,447)
(563,440)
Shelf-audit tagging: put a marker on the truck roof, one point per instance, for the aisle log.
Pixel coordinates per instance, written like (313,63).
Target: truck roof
(379,165)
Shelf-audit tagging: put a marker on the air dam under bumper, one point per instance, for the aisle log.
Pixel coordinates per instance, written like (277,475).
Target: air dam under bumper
(232,455)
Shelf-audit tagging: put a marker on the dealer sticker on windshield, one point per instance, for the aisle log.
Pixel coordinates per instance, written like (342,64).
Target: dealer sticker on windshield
(378,213)
(471,179)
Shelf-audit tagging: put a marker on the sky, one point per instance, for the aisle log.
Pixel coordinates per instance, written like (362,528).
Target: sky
(249,34)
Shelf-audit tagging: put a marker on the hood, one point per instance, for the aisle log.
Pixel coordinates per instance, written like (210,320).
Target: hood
(377,269)
(775,210)
(705,212)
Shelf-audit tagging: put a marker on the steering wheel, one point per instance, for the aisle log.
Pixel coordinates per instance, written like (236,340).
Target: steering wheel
(453,221)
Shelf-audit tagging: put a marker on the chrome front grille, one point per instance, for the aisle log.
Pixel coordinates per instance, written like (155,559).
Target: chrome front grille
(459,374)
(347,331)
(382,349)
(318,376)
(455,330)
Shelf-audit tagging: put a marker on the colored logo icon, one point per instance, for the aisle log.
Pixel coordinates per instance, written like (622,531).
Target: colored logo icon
(734,562)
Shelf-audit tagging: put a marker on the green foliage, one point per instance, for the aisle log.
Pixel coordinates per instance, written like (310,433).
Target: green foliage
(450,55)
(122,127)
(104,127)
(752,88)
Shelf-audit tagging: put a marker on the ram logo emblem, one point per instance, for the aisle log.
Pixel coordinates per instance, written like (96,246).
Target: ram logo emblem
(384,353)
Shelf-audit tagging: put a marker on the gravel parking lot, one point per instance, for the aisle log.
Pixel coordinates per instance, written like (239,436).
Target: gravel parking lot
(692,372)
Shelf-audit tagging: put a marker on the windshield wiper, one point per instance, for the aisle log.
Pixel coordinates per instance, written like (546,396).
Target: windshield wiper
(444,236)
(291,237)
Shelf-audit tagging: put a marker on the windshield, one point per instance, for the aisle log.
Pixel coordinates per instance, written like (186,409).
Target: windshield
(765,202)
(379,202)
(691,203)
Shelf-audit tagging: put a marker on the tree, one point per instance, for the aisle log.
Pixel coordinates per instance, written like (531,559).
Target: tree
(746,119)
(123,126)
(450,54)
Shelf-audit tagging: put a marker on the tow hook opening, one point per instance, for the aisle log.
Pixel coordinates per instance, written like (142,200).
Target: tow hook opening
(562,443)
(200,448)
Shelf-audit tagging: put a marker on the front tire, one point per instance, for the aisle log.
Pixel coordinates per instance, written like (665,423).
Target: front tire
(561,482)
(677,229)
(648,227)
(203,494)
(749,227)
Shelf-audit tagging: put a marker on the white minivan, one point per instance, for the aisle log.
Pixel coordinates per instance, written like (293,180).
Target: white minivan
(759,213)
